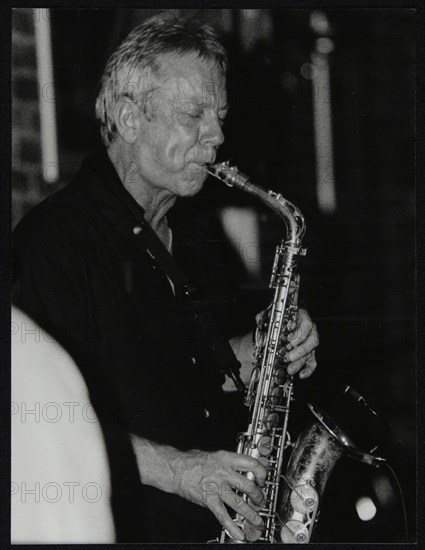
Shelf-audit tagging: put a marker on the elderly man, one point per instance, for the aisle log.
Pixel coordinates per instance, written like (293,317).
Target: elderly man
(104,265)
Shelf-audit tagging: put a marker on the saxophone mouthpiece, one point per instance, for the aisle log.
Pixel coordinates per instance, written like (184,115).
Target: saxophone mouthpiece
(228,174)
(209,168)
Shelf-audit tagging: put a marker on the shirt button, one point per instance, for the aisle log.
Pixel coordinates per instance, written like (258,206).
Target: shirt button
(206,413)
(193,359)
(137,229)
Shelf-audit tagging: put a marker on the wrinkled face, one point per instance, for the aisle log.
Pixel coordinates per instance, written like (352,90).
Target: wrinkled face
(189,107)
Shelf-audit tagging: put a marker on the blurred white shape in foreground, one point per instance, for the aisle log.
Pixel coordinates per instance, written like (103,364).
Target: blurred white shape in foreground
(60,473)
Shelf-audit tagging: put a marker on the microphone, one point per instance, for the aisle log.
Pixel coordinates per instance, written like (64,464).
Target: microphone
(354,394)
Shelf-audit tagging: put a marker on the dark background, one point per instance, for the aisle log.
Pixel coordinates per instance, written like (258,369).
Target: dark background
(358,279)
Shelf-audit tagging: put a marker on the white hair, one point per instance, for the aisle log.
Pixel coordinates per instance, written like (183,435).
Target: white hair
(133,68)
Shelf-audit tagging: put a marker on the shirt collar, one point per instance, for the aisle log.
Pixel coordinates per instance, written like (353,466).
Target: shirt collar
(103,185)
(100,184)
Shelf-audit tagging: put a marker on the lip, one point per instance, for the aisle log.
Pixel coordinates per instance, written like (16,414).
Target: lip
(201,165)
(209,160)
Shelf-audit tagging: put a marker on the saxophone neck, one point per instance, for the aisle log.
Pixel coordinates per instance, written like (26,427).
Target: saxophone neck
(291,215)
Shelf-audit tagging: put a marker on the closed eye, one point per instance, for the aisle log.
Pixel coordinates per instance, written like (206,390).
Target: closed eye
(222,115)
(193,116)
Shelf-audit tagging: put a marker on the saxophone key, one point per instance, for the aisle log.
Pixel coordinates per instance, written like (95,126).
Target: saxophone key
(294,532)
(279,376)
(276,395)
(272,421)
(304,498)
(272,483)
(280,408)
(264,445)
(267,515)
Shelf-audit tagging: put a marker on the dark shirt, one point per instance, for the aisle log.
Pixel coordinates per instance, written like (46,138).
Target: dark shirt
(82,270)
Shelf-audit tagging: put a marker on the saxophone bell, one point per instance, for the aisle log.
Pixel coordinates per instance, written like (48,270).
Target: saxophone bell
(347,446)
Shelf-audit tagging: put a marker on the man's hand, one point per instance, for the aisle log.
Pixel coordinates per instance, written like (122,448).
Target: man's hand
(303,340)
(207,479)
(297,356)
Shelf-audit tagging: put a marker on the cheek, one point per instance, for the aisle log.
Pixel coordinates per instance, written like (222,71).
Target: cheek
(178,147)
(174,154)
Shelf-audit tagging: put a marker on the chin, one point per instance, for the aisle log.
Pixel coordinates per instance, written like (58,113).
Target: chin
(193,184)
(191,189)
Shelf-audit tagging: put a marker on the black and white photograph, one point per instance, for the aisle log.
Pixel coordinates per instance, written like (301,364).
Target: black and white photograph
(213,269)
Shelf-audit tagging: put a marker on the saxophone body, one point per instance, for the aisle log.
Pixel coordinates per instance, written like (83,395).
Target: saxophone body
(291,501)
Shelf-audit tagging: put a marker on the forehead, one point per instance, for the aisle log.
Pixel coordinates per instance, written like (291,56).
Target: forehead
(190,78)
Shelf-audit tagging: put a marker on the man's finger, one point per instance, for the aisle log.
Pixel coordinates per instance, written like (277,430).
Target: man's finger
(220,512)
(245,463)
(243,509)
(292,325)
(308,362)
(301,351)
(296,366)
(310,367)
(249,487)
(304,327)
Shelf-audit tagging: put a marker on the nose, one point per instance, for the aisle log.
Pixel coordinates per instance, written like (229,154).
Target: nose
(211,132)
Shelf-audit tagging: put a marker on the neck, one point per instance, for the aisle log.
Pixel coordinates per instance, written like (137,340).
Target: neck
(155,201)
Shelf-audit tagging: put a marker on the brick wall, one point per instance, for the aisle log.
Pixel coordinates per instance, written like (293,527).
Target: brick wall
(28,186)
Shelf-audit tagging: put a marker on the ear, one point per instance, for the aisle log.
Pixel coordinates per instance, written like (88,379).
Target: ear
(127,119)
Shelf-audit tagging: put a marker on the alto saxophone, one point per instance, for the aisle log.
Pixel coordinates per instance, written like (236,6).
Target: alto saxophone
(291,501)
